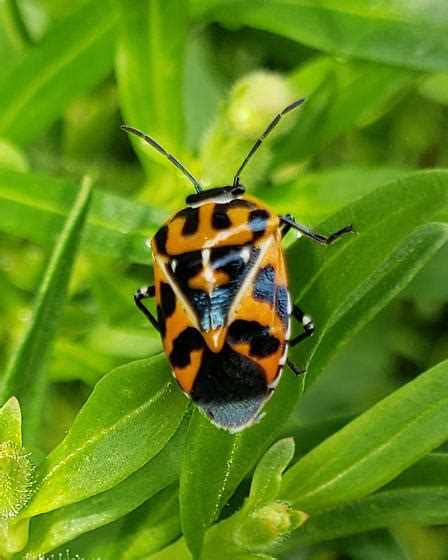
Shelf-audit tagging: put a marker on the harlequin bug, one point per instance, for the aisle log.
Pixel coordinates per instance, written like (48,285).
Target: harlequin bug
(223,306)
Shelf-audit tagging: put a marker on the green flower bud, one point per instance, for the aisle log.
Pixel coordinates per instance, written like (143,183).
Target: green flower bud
(16,479)
(254,102)
(268,526)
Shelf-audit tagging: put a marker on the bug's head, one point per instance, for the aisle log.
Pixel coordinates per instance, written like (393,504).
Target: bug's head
(218,194)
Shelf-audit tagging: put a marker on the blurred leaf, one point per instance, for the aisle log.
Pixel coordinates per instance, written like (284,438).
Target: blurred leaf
(409,34)
(13,38)
(25,377)
(417,500)
(370,266)
(149,66)
(150,528)
(118,430)
(206,485)
(340,95)
(12,158)
(35,91)
(435,88)
(313,197)
(57,527)
(11,422)
(374,448)
(34,207)
(374,545)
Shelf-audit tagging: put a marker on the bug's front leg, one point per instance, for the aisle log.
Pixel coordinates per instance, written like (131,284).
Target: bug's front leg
(289,222)
(139,296)
(308,330)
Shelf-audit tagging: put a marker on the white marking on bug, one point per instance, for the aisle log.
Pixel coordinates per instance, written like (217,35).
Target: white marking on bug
(148,243)
(288,330)
(144,291)
(173,265)
(289,305)
(307,320)
(208,272)
(245,254)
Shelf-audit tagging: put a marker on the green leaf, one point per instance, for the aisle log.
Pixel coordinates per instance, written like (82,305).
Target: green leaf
(25,377)
(374,448)
(149,66)
(150,528)
(411,34)
(215,462)
(11,422)
(34,207)
(345,285)
(340,95)
(410,498)
(374,545)
(130,416)
(268,474)
(55,528)
(36,90)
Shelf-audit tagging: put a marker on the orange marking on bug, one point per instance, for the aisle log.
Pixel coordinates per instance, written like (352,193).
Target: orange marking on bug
(187,375)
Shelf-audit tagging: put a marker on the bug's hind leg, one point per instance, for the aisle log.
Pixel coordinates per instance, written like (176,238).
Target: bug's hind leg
(289,222)
(308,330)
(139,296)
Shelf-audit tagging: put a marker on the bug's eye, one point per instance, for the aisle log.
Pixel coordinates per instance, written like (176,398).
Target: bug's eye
(239,190)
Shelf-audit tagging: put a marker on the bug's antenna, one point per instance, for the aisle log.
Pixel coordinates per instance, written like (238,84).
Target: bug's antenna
(274,123)
(162,150)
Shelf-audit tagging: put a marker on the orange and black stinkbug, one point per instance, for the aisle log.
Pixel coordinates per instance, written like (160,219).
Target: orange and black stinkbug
(223,306)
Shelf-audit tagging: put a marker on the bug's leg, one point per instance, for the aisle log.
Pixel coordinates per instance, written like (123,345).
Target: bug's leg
(308,329)
(289,222)
(294,368)
(139,296)
(307,324)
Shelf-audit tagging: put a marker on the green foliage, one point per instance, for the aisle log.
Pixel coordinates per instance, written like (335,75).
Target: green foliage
(113,462)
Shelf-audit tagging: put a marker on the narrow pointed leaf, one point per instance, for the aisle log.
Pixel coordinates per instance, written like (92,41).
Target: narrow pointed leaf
(25,377)
(374,448)
(57,527)
(411,34)
(34,207)
(35,91)
(130,416)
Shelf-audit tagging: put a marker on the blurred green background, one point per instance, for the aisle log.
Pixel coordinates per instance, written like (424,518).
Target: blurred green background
(204,79)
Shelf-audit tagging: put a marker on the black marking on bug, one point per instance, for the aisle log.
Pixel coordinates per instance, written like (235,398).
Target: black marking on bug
(191,220)
(264,284)
(240,203)
(161,238)
(230,388)
(257,222)
(212,308)
(161,321)
(262,343)
(188,340)
(220,219)
(281,305)
(167,300)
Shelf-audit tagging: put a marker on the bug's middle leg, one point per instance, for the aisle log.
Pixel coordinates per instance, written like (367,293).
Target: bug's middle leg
(139,296)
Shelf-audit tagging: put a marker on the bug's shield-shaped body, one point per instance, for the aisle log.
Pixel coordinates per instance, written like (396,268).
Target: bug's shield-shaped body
(223,305)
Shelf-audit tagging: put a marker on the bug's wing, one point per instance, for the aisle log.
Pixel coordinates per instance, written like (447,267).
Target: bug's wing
(259,320)
(181,338)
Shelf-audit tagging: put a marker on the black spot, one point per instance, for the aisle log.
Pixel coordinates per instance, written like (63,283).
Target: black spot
(281,305)
(160,239)
(189,339)
(262,343)
(257,222)
(240,203)
(187,266)
(167,299)
(191,220)
(220,220)
(161,321)
(228,260)
(264,284)
(230,388)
